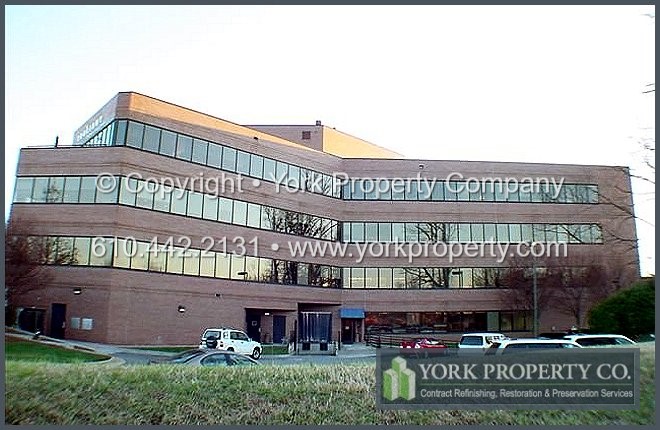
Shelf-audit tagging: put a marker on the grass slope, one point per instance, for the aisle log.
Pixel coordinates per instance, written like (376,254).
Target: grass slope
(305,394)
(26,350)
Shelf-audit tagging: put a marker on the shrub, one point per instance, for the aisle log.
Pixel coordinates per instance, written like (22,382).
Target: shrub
(630,312)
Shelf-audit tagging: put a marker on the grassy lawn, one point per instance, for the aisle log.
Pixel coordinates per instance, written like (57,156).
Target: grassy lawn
(266,349)
(26,350)
(302,394)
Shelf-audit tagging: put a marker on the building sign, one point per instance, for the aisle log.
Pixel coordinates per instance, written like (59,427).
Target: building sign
(88,130)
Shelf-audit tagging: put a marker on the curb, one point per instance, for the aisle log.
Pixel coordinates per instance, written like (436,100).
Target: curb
(112,362)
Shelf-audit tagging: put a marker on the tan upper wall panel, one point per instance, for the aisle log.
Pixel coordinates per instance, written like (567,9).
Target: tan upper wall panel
(347,146)
(130,101)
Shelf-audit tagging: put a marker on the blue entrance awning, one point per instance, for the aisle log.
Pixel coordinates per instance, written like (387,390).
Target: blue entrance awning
(352,313)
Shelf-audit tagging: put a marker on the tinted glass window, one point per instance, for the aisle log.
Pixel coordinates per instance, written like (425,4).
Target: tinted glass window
(214,155)
(23,190)
(168,143)
(229,159)
(200,148)
(134,135)
(184,147)
(256,166)
(471,340)
(87,189)
(151,138)
(120,135)
(269,169)
(194,204)
(243,163)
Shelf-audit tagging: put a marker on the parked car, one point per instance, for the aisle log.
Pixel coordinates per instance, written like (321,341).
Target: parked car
(423,343)
(532,344)
(479,341)
(209,357)
(600,339)
(231,339)
(178,358)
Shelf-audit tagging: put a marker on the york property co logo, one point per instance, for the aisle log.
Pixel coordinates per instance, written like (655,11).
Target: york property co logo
(399,381)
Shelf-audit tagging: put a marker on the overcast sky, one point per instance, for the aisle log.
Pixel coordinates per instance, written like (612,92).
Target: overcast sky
(503,83)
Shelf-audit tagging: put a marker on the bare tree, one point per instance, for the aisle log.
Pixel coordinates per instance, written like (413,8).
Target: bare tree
(568,285)
(290,272)
(26,258)
(436,277)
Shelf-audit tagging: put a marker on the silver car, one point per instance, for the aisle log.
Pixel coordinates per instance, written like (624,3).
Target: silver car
(209,357)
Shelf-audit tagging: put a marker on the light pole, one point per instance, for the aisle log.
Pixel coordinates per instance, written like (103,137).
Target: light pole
(535,299)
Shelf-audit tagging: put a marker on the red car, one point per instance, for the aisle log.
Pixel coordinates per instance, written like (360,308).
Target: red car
(422,343)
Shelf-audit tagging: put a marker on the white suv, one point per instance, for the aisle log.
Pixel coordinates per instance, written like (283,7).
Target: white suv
(600,339)
(231,339)
(529,344)
(479,341)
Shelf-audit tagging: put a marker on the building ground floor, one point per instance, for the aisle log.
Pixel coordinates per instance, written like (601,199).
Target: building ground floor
(127,307)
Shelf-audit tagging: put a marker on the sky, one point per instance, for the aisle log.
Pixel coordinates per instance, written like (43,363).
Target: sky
(546,84)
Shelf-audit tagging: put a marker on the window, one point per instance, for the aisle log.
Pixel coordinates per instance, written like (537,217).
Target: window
(81,251)
(191,262)
(104,195)
(162,197)
(158,258)
(127,191)
(269,169)
(243,163)
(87,189)
(168,143)
(464,233)
(134,135)
(23,190)
(306,135)
(254,215)
(238,267)
(151,138)
(399,277)
(214,155)
(175,260)
(385,277)
(184,147)
(123,253)
(357,277)
(210,207)
(256,166)
(398,232)
(240,212)
(371,277)
(40,190)
(282,170)
(384,232)
(140,259)
(194,204)
(103,248)
(145,197)
(229,159)
(200,148)
(226,209)
(371,230)
(120,136)
(357,232)
(55,190)
(222,265)
(179,199)
(252,268)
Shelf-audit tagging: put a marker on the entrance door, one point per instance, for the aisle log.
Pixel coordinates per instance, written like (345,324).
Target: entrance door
(347,330)
(279,328)
(31,320)
(253,321)
(57,320)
